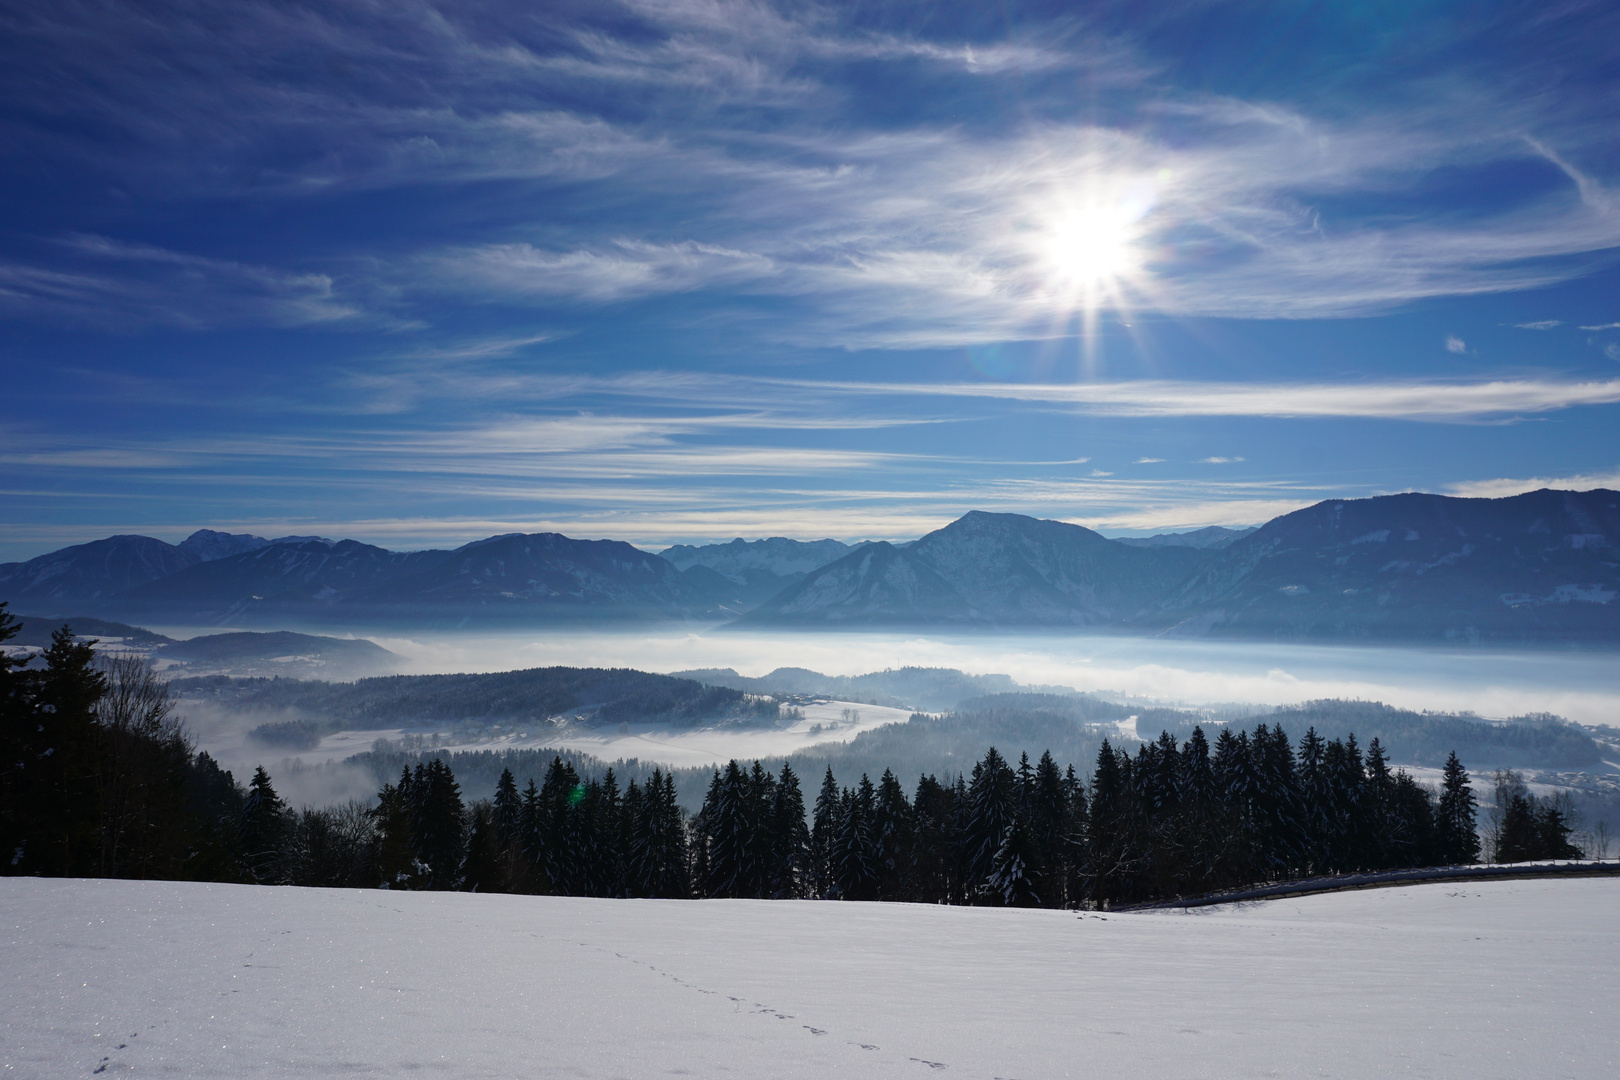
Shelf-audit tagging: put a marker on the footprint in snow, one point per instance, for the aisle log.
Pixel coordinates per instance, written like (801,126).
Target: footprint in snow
(812,1030)
(930,1064)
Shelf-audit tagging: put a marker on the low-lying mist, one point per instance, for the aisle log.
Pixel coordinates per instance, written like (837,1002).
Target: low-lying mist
(1581,686)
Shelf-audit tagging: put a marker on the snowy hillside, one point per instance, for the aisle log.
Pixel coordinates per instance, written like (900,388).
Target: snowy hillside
(134,978)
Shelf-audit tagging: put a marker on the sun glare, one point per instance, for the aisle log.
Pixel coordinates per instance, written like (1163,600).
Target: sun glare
(1092,247)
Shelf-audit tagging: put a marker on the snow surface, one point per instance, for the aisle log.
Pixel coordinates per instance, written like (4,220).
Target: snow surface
(1495,979)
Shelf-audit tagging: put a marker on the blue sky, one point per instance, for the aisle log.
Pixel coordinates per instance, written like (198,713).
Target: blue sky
(418,273)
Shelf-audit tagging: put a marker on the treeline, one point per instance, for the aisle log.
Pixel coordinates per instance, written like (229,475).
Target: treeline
(1427,738)
(531,696)
(1524,827)
(98,777)
(1173,820)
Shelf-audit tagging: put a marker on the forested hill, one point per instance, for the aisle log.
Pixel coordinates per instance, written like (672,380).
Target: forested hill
(533,695)
(1538,741)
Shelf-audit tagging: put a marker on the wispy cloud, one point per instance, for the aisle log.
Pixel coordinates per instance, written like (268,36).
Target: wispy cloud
(1603,326)
(1435,401)
(714,147)
(1540,324)
(1219,460)
(120,284)
(1504,486)
(1456,344)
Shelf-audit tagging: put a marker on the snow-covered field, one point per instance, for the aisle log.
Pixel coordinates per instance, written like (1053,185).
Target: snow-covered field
(1497,979)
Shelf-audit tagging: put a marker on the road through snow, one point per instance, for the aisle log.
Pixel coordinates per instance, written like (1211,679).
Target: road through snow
(1495,979)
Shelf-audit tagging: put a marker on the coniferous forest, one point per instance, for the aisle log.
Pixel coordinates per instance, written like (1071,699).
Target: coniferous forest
(99,779)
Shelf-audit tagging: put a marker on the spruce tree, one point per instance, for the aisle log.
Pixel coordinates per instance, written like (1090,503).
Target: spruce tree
(393,816)
(853,854)
(484,868)
(1049,817)
(933,811)
(821,837)
(265,830)
(1456,829)
(1013,880)
(728,831)
(790,839)
(55,812)
(991,809)
(438,827)
(893,838)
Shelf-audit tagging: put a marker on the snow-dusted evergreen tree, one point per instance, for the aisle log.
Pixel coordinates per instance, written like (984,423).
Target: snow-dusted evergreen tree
(894,837)
(266,827)
(1048,815)
(438,824)
(656,863)
(1014,880)
(789,862)
(821,837)
(558,828)
(1456,828)
(507,808)
(853,854)
(729,834)
(991,808)
(933,865)
(1315,795)
(484,869)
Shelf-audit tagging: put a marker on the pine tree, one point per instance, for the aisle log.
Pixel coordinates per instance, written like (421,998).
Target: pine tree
(1049,816)
(530,840)
(893,838)
(991,808)
(1013,880)
(484,868)
(54,761)
(438,826)
(1076,840)
(1456,829)
(1109,853)
(790,839)
(729,835)
(265,830)
(559,828)
(396,846)
(853,854)
(821,837)
(1552,829)
(656,862)
(1379,820)
(933,811)
(1315,802)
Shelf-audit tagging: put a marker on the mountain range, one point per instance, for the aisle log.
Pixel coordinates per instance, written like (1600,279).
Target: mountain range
(1538,567)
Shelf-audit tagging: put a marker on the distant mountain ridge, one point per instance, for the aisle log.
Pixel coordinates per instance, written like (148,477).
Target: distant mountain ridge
(1538,567)
(985,570)
(1209,538)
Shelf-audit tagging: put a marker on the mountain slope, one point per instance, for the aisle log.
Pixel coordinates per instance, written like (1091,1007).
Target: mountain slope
(1209,538)
(87,574)
(744,573)
(541,574)
(879,585)
(985,569)
(1543,566)
(291,580)
(517,576)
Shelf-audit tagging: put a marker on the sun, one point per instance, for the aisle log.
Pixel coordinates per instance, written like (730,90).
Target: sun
(1093,246)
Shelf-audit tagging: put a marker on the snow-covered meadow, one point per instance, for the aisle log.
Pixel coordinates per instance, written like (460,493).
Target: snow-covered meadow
(1494,979)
